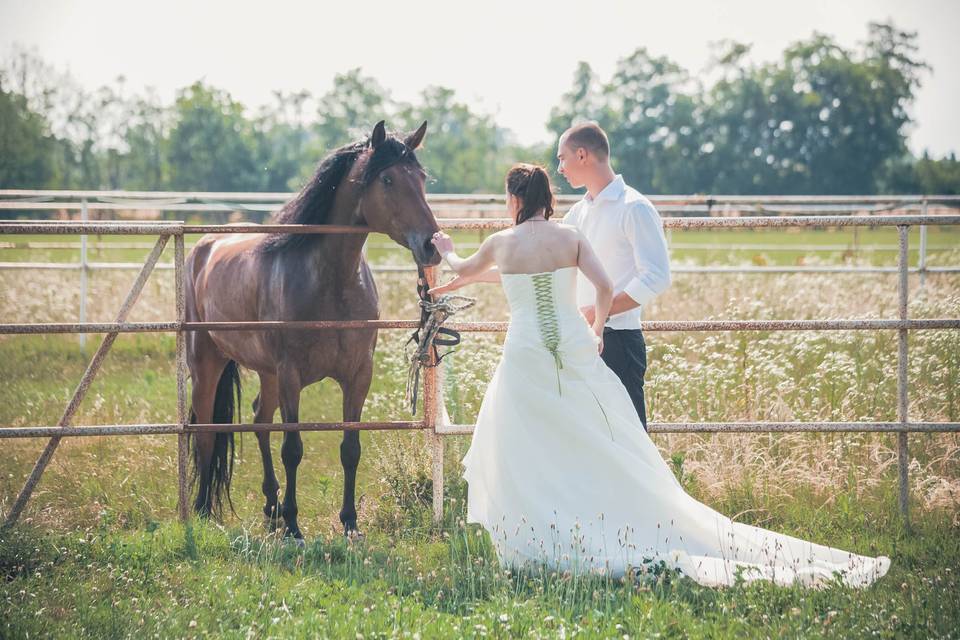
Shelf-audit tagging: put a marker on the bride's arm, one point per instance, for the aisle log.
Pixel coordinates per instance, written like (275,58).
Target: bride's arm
(591,267)
(471,267)
(490,275)
(479,267)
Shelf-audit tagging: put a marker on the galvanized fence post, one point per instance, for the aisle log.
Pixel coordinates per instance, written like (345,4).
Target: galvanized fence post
(922,260)
(903,459)
(183,439)
(84,265)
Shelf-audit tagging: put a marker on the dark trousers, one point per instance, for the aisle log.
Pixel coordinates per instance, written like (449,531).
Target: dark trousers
(625,352)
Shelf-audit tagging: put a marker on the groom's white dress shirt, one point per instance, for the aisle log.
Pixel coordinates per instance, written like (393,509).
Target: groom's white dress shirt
(626,232)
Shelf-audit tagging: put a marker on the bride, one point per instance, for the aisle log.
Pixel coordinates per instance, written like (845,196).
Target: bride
(560,471)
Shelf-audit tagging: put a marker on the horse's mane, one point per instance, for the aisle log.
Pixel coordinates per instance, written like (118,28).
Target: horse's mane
(315,201)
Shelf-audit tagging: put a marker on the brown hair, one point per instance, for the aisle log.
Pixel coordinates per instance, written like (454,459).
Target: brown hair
(589,136)
(531,184)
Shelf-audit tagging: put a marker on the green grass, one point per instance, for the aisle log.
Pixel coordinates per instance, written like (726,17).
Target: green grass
(98,552)
(165,580)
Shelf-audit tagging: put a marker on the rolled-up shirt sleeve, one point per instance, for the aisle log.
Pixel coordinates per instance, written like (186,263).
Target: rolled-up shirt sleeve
(643,228)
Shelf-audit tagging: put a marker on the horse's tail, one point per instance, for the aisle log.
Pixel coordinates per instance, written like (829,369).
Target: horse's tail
(221,465)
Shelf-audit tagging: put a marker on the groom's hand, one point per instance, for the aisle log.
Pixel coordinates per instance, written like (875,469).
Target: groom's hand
(590,313)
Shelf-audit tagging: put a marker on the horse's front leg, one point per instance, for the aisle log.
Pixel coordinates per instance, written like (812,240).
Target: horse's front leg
(292,450)
(354,395)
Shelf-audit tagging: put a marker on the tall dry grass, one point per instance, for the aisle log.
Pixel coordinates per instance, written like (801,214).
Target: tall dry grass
(780,376)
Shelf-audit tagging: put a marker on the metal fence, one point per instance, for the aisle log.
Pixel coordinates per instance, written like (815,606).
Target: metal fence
(435,419)
(258,205)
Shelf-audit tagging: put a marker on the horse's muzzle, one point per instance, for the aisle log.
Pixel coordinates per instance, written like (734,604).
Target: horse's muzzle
(423,251)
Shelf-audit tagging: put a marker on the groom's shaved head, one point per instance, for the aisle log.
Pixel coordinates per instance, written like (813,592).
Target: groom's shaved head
(589,136)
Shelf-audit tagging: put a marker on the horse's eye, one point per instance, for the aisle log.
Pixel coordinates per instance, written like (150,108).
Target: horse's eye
(386,180)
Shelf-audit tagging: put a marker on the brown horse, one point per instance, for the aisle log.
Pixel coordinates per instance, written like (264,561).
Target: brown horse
(376,183)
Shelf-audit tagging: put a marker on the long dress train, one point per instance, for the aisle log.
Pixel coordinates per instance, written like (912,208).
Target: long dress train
(561,472)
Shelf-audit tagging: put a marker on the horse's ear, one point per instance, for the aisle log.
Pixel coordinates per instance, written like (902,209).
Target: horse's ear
(379,135)
(414,139)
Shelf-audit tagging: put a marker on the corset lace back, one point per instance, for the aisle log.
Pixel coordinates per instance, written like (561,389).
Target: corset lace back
(547,321)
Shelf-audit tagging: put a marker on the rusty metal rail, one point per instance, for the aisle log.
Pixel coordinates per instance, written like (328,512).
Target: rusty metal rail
(126,266)
(814,213)
(435,419)
(472,327)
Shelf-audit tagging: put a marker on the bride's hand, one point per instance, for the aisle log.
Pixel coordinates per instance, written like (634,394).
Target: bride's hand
(598,331)
(454,284)
(590,313)
(443,242)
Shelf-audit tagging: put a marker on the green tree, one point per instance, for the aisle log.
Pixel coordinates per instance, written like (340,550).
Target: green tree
(211,146)
(464,152)
(823,119)
(926,175)
(344,114)
(648,114)
(350,109)
(26,145)
(143,163)
(282,142)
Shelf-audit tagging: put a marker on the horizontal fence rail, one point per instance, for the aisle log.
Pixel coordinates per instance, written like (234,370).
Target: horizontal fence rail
(129,266)
(38,200)
(480,205)
(469,327)
(489,224)
(467,429)
(435,420)
(688,246)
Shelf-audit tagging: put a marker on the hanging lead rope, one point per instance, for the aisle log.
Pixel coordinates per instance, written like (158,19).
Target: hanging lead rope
(428,335)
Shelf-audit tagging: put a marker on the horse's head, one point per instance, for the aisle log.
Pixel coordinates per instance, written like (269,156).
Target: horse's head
(394,199)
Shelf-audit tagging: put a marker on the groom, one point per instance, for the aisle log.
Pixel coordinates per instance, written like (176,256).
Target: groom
(626,232)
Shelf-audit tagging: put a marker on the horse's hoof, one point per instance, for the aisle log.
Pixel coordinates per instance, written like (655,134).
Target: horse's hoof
(273,517)
(352,534)
(299,542)
(272,525)
(295,536)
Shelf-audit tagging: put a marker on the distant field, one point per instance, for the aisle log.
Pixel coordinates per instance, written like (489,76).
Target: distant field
(876,246)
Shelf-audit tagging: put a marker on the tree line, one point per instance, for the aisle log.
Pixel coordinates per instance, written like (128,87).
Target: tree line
(821,119)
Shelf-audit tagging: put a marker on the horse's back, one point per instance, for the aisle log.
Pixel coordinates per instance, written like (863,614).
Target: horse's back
(230,279)
(232,252)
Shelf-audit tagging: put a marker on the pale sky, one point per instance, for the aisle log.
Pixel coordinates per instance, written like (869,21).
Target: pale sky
(511,59)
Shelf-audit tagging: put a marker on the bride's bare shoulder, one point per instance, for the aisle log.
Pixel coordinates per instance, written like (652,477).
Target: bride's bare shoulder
(500,236)
(569,231)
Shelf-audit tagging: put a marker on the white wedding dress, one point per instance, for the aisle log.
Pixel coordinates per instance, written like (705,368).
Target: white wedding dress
(561,473)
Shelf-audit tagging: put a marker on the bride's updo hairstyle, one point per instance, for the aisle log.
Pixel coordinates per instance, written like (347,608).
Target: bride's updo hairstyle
(531,184)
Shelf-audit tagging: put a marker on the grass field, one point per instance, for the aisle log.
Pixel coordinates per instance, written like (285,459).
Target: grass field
(99,553)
